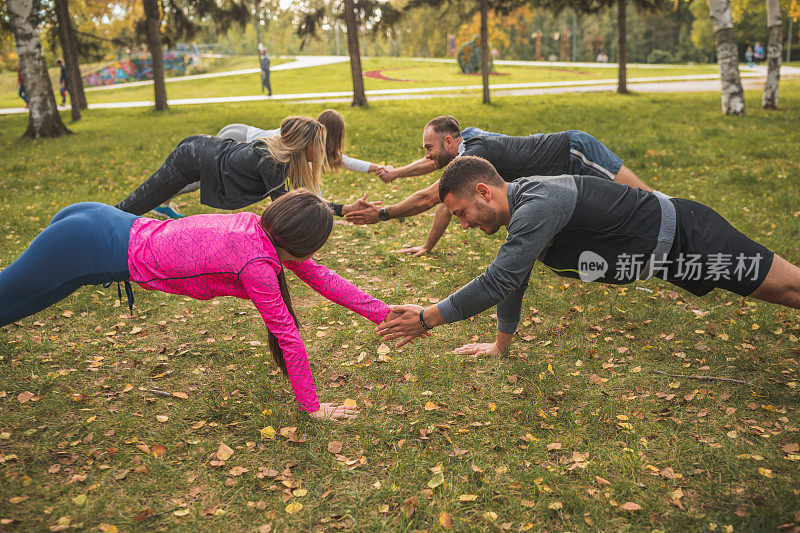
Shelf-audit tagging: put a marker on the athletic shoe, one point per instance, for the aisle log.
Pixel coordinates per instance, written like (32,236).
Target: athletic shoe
(167,212)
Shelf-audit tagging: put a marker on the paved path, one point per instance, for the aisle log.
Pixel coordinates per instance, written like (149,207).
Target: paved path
(751,79)
(299,62)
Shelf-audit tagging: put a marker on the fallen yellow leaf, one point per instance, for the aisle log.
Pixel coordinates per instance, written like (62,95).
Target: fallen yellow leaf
(436,480)
(294,507)
(224,452)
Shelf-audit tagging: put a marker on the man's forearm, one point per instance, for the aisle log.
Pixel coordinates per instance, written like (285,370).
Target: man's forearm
(503,340)
(417,203)
(432,316)
(440,222)
(417,168)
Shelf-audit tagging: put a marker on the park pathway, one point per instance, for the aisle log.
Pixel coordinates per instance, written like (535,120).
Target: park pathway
(299,62)
(752,79)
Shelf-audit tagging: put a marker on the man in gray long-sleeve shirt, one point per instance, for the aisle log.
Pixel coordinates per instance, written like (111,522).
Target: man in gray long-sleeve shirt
(593,229)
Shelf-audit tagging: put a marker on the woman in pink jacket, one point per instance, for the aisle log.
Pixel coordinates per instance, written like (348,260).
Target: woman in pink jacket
(201,256)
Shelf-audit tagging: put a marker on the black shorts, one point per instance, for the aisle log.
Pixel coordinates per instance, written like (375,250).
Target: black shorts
(708,253)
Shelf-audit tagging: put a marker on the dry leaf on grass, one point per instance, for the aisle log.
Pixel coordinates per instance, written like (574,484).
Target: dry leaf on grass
(334,446)
(630,506)
(224,452)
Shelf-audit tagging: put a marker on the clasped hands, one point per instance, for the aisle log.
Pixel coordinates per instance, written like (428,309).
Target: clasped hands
(402,323)
(362,211)
(386,173)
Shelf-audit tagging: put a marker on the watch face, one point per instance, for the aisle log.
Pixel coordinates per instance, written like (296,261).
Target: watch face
(383,215)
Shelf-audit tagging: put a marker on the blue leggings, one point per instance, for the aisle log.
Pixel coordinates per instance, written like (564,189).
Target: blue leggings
(85,244)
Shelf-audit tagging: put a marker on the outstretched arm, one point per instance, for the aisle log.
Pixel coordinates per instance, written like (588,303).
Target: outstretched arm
(532,227)
(338,290)
(440,222)
(415,204)
(357,165)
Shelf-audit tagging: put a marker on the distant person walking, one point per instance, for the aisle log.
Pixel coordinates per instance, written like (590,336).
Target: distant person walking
(21,91)
(748,56)
(265,72)
(758,52)
(62,82)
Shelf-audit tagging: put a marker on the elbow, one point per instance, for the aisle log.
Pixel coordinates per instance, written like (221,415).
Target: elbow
(430,201)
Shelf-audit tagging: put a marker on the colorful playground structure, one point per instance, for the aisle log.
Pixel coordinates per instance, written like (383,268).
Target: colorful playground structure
(138,67)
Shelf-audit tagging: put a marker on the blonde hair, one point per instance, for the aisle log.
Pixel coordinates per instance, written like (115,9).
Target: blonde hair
(297,134)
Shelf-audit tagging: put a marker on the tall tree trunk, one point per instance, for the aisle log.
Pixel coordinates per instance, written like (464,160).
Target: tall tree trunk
(359,96)
(770,98)
(43,119)
(69,47)
(485,50)
(153,30)
(622,47)
(727,57)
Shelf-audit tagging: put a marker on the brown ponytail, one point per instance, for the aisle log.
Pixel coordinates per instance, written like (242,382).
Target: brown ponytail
(299,222)
(334,126)
(274,347)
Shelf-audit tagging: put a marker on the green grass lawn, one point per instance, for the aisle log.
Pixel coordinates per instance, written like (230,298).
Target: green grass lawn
(337,78)
(566,432)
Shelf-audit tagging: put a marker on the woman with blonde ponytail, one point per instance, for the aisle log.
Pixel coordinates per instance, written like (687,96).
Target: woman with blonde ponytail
(301,146)
(205,256)
(334,143)
(232,175)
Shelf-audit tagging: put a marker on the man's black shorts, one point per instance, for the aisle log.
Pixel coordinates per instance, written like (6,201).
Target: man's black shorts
(708,253)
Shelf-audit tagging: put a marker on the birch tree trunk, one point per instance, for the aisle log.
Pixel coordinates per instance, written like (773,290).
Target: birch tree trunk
(69,47)
(485,51)
(359,96)
(43,119)
(622,45)
(770,98)
(153,30)
(727,57)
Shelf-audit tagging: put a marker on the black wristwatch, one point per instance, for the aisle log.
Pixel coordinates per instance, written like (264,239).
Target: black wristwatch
(383,215)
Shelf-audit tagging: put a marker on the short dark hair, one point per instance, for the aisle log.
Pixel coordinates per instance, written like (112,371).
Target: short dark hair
(463,173)
(445,124)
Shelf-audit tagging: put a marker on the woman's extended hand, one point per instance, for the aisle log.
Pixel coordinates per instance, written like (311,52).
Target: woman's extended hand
(331,411)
